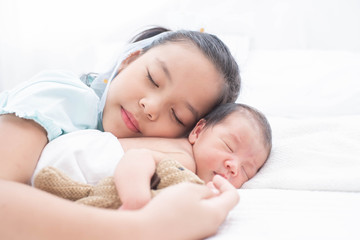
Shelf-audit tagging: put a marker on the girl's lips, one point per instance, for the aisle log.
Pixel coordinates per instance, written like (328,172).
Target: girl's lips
(129,121)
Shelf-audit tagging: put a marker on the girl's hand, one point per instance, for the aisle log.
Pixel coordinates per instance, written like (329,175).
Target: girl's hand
(189,211)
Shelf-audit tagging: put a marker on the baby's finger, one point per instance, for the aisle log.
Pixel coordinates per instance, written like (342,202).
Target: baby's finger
(222,184)
(213,188)
(228,197)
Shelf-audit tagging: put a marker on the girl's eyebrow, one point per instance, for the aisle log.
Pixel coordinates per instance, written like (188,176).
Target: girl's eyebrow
(165,69)
(192,110)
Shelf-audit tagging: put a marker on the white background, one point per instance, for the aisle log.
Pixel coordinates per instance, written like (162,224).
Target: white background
(68,34)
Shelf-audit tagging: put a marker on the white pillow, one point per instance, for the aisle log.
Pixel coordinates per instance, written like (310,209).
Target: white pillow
(106,55)
(312,154)
(239,46)
(302,83)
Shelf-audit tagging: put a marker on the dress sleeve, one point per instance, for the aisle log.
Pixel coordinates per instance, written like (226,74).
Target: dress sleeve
(59,101)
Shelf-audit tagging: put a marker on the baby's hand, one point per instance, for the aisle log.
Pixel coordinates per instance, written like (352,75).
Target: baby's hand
(219,185)
(211,185)
(135,202)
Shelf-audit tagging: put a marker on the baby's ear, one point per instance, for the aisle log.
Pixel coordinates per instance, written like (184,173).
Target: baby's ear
(194,134)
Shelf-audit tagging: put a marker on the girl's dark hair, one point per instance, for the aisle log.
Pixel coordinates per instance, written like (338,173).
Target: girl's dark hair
(212,47)
(220,113)
(148,33)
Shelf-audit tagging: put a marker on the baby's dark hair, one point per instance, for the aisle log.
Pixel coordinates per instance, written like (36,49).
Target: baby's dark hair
(212,47)
(220,113)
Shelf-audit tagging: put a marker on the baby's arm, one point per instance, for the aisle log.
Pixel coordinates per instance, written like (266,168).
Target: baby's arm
(132,178)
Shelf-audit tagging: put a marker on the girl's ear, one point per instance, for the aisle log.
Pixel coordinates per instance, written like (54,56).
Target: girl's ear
(132,56)
(194,134)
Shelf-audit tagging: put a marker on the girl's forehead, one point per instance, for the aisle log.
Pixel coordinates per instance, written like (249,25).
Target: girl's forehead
(187,68)
(169,48)
(175,53)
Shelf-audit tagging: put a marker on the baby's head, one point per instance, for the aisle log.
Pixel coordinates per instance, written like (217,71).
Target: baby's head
(163,89)
(234,141)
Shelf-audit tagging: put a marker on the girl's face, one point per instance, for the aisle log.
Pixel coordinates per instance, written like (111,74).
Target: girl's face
(232,149)
(161,93)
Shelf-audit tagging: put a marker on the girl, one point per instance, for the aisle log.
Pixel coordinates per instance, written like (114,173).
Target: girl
(153,90)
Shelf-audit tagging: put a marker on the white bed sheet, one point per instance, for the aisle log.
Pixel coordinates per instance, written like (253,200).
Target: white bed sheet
(293,214)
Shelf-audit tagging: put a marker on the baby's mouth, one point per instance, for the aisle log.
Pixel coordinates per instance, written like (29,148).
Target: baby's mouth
(221,174)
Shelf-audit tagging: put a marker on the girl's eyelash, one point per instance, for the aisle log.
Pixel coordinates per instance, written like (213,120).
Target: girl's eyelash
(176,118)
(151,79)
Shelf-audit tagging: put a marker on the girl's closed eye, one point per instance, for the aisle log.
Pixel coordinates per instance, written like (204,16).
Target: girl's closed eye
(177,118)
(151,79)
(154,83)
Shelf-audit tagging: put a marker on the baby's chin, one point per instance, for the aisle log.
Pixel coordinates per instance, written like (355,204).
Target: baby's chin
(208,178)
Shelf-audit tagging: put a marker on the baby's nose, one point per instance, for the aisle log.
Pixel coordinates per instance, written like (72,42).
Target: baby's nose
(232,168)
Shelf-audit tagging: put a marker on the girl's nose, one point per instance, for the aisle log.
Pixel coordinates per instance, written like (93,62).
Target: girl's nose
(150,108)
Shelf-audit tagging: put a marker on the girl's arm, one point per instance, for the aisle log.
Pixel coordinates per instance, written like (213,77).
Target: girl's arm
(28,213)
(132,178)
(21,143)
(184,211)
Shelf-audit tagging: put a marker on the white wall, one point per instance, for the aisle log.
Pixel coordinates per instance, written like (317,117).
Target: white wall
(68,34)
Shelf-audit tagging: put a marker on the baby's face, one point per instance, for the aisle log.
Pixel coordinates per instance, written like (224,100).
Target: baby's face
(233,149)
